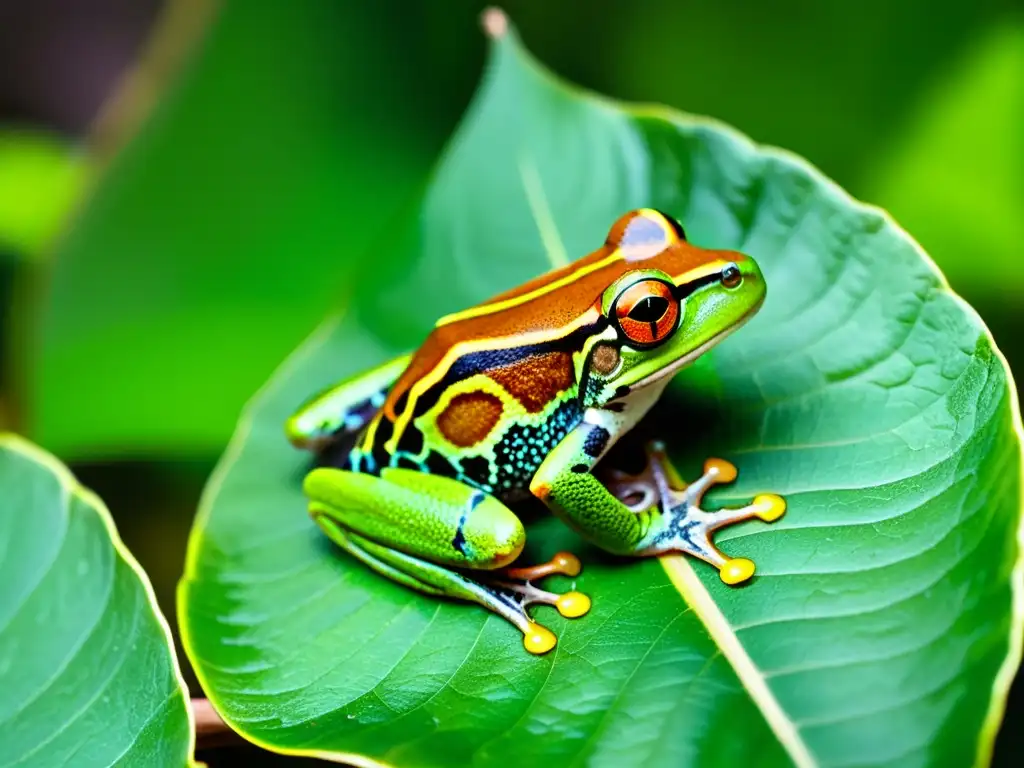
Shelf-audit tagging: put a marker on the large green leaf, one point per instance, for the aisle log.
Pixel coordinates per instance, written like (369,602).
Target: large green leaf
(87,673)
(881,628)
(223,231)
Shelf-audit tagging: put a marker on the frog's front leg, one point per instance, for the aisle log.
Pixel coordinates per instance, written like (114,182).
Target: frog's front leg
(440,537)
(668,517)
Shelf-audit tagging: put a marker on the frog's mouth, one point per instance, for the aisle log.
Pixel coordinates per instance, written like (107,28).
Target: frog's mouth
(684,361)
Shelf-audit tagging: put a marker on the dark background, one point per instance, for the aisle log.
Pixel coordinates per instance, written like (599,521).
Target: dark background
(187,107)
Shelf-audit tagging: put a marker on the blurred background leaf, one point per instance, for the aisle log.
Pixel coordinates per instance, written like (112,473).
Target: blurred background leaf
(41,176)
(955,178)
(223,231)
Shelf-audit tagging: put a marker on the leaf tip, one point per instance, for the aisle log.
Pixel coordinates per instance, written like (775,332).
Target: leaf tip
(495,22)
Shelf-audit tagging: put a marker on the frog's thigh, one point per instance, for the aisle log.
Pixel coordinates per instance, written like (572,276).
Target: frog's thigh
(430,517)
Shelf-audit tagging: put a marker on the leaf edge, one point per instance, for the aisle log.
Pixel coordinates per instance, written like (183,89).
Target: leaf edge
(24,447)
(206,502)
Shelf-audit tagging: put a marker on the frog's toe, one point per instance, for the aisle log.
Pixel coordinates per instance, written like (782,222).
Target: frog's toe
(567,564)
(736,570)
(696,541)
(564,563)
(769,507)
(720,470)
(572,605)
(538,639)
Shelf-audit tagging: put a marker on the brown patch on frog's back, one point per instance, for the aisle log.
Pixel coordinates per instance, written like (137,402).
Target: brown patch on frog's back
(469,418)
(536,380)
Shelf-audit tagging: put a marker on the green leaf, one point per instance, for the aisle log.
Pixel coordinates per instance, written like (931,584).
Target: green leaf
(223,232)
(955,177)
(882,627)
(89,677)
(40,180)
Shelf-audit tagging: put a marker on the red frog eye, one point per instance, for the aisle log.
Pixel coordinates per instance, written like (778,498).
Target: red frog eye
(647,312)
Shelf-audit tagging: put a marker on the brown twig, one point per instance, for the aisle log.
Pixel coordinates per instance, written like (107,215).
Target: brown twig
(211,730)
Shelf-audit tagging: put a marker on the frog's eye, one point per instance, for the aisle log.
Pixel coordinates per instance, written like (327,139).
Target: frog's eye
(731,276)
(647,313)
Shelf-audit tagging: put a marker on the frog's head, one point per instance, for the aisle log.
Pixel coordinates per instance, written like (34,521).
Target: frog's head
(671,303)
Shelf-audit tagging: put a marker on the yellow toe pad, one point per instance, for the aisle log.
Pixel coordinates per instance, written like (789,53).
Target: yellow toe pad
(723,471)
(737,571)
(771,507)
(566,563)
(538,639)
(572,605)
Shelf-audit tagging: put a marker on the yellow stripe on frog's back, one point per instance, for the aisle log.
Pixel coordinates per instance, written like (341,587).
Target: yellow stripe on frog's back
(555,280)
(461,349)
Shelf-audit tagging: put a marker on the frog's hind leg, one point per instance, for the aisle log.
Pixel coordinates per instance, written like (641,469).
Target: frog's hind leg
(431,579)
(440,537)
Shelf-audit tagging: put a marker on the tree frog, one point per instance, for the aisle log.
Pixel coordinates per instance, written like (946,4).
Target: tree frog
(523,395)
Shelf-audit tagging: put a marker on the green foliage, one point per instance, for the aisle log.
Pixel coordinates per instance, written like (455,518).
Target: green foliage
(881,624)
(89,678)
(956,179)
(223,232)
(828,80)
(41,178)
(227,228)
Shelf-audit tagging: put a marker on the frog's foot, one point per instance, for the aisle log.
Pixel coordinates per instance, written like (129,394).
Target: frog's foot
(688,528)
(515,583)
(572,605)
(505,592)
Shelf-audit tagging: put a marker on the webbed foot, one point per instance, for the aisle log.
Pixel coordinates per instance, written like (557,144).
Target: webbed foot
(687,527)
(515,581)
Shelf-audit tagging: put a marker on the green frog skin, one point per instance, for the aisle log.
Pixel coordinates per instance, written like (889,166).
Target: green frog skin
(523,395)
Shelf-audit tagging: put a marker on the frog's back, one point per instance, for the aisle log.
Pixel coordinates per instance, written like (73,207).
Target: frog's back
(558,304)
(493,388)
